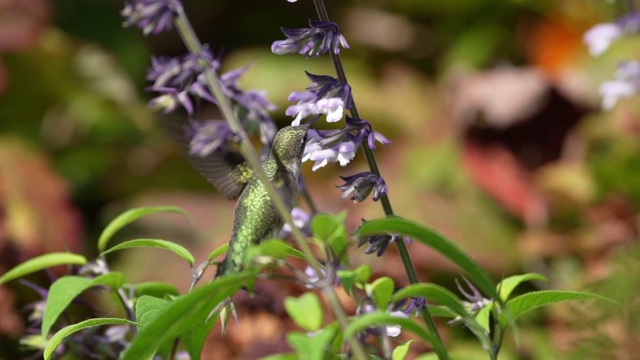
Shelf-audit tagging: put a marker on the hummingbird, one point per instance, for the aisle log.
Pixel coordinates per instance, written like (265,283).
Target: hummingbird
(255,217)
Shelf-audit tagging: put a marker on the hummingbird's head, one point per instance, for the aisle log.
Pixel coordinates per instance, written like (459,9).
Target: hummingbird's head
(288,146)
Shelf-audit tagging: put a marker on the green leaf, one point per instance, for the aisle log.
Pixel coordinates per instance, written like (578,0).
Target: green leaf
(41,263)
(311,348)
(154,288)
(507,285)
(363,274)
(483,316)
(183,313)
(400,352)
(347,279)
(397,225)
(445,297)
(58,337)
(154,243)
(217,252)
(65,289)
(533,300)
(331,230)
(305,311)
(288,356)
(148,308)
(380,291)
(379,318)
(130,216)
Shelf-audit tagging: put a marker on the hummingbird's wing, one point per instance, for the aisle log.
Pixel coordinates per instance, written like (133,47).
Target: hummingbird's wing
(226,170)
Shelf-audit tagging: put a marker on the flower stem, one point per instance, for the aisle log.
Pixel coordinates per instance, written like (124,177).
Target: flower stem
(384,198)
(186,32)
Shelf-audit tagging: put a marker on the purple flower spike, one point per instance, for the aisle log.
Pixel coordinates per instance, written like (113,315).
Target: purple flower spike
(319,38)
(326,95)
(206,137)
(625,84)
(359,186)
(152,16)
(178,80)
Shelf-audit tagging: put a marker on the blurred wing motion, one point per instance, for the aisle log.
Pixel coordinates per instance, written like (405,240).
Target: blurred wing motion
(226,170)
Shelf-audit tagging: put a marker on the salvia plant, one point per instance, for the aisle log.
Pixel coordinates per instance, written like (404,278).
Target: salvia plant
(161,323)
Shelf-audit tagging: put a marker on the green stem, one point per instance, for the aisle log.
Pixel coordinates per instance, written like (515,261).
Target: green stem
(384,198)
(195,47)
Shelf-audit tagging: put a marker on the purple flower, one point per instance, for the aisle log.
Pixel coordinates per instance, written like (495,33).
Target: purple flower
(600,37)
(206,137)
(326,95)
(361,185)
(475,301)
(178,80)
(301,220)
(325,146)
(319,38)
(625,84)
(152,16)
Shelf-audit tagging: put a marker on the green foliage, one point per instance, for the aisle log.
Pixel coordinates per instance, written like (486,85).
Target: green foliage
(313,347)
(130,216)
(154,243)
(380,291)
(67,288)
(42,262)
(533,300)
(400,352)
(58,337)
(305,311)
(330,229)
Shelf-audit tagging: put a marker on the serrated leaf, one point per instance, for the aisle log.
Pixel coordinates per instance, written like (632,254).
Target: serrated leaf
(154,243)
(42,262)
(380,291)
(217,252)
(130,216)
(58,337)
(400,352)
(305,311)
(148,308)
(65,289)
(533,300)
(397,225)
(183,313)
(155,288)
(507,285)
(311,348)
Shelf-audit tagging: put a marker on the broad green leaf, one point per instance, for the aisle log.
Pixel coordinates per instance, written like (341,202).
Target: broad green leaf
(130,216)
(181,315)
(397,225)
(311,348)
(331,230)
(400,352)
(347,279)
(380,291)
(41,263)
(65,289)
(445,297)
(533,300)
(194,338)
(363,274)
(507,285)
(58,337)
(154,288)
(305,311)
(154,243)
(148,308)
(379,318)
(217,252)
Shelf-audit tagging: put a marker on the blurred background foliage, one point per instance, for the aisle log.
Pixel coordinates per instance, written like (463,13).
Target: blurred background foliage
(497,142)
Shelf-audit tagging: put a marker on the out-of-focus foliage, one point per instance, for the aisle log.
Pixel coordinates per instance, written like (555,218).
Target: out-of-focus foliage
(78,145)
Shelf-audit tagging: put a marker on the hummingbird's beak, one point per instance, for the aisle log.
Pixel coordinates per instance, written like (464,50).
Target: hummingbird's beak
(311,121)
